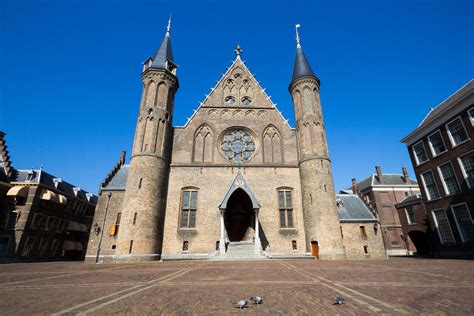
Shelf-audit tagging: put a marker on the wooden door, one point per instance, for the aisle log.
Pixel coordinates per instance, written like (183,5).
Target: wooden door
(315,249)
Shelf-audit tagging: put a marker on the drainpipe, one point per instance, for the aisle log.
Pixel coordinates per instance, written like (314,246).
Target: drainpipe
(103,227)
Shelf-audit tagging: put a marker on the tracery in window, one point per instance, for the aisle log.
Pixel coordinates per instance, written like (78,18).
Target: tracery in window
(238,145)
(246,101)
(229,100)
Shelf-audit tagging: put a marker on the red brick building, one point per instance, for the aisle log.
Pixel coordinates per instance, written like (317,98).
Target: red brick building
(381,192)
(415,226)
(442,152)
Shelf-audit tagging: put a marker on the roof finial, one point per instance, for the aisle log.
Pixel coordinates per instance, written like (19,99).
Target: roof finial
(298,45)
(238,51)
(168,28)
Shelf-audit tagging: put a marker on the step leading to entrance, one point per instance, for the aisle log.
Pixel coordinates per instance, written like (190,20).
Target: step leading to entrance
(240,250)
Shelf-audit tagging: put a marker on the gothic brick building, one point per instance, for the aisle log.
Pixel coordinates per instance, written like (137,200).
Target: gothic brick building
(235,181)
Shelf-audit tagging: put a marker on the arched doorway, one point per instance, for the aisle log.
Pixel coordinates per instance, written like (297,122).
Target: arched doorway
(421,242)
(239,217)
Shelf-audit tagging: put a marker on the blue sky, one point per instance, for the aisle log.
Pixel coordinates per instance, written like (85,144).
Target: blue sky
(70,72)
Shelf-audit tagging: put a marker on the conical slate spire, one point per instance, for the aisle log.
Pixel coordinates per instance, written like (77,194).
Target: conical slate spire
(164,56)
(301,67)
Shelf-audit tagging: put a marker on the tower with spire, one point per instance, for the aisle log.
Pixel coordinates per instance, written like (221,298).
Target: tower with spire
(141,221)
(321,216)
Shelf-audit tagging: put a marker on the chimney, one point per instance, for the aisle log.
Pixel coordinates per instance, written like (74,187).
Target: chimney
(405,174)
(354,186)
(378,169)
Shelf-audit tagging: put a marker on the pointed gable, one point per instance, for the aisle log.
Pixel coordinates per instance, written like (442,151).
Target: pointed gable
(238,88)
(239,182)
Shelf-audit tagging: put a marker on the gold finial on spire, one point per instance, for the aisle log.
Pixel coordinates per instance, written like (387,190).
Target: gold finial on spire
(168,28)
(298,45)
(238,51)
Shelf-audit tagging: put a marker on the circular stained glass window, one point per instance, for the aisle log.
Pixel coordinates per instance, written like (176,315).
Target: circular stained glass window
(238,145)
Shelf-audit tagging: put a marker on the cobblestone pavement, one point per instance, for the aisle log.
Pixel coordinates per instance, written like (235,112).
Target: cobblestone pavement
(396,286)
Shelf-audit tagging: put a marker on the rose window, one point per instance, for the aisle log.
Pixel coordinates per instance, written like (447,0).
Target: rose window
(238,145)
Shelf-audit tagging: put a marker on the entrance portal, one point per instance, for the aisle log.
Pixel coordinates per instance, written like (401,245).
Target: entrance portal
(239,217)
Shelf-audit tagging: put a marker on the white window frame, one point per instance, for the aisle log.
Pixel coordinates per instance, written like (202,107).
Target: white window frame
(451,137)
(445,187)
(470,113)
(437,227)
(463,171)
(424,186)
(408,217)
(431,146)
(456,219)
(418,163)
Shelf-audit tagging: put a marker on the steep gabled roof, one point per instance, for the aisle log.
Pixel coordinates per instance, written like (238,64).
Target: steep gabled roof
(209,98)
(352,209)
(118,180)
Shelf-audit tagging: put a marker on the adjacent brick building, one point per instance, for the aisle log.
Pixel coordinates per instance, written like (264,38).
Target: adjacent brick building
(442,152)
(235,176)
(381,192)
(42,217)
(415,225)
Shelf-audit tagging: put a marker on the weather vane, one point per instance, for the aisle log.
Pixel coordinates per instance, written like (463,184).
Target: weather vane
(168,28)
(298,45)
(238,51)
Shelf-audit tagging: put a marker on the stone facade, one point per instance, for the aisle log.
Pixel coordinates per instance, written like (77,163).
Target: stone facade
(235,174)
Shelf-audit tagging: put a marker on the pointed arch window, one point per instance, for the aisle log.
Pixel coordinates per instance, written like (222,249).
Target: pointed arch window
(246,101)
(229,100)
(188,208)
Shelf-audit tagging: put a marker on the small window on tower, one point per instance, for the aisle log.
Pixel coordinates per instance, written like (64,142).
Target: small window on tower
(246,101)
(229,100)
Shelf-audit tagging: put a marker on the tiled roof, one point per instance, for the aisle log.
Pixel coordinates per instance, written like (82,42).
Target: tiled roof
(388,179)
(119,180)
(352,209)
(410,200)
(41,176)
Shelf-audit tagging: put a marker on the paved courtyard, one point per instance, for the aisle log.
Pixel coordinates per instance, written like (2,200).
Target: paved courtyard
(397,286)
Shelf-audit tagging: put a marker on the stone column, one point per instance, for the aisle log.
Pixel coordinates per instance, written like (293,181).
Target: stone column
(258,244)
(222,239)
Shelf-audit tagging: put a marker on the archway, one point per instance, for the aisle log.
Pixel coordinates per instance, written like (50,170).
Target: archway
(421,242)
(239,217)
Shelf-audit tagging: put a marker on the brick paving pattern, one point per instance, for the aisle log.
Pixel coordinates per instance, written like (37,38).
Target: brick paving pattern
(396,286)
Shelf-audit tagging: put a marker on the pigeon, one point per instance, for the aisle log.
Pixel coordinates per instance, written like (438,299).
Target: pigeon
(257,299)
(241,304)
(338,300)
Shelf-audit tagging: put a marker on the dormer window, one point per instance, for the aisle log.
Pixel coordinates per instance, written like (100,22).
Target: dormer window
(246,101)
(30,175)
(57,181)
(229,100)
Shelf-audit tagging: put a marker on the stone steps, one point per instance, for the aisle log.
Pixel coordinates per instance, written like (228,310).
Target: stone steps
(243,250)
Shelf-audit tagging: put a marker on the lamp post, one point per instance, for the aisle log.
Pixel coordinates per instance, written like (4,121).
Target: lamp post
(109,194)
